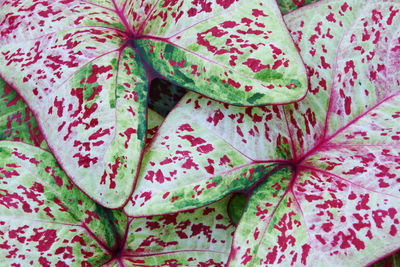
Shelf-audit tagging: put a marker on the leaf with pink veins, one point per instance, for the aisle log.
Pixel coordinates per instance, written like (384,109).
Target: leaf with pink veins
(199,237)
(234,51)
(84,68)
(45,219)
(16,119)
(193,143)
(333,193)
(87,92)
(18,123)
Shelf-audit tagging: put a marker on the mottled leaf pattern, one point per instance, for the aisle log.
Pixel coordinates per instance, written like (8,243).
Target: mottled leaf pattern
(200,237)
(341,196)
(84,69)
(212,165)
(235,51)
(315,182)
(16,120)
(332,196)
(270,217)
(87,93)
(45,219)
(188,158)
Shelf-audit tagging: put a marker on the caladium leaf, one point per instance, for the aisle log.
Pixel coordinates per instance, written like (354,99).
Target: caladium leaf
(234,51)
(289,5)
(188,165)
(45,219)
(84,67)
(333,195)
(200,237)
(90,106)
(18,123)
(16,120)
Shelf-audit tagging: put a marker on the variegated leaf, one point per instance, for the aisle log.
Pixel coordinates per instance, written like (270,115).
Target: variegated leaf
(333,195)
(46,220)
(87,93)
(16,120)
(189,165)
(84,67)
(231,50)
(200,237)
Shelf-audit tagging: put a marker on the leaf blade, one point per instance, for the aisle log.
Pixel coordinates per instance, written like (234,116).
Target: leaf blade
(343,159)
(218,58)
(16,120)
(45,218)
(77,93)
(197,237)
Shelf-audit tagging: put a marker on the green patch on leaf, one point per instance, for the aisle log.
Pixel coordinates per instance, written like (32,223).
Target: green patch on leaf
(17,122)
(267,75)
(52,211)
(254,98)
(295,82)
(283,148)
(236,206)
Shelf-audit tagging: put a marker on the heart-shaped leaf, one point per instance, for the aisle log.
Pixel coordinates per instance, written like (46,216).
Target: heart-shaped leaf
(45,219)
(332,191)
(234,51)
(84,67)
(16,120)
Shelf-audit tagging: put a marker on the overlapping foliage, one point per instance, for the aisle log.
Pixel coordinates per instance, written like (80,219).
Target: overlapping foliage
(314,182)
(84,68)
